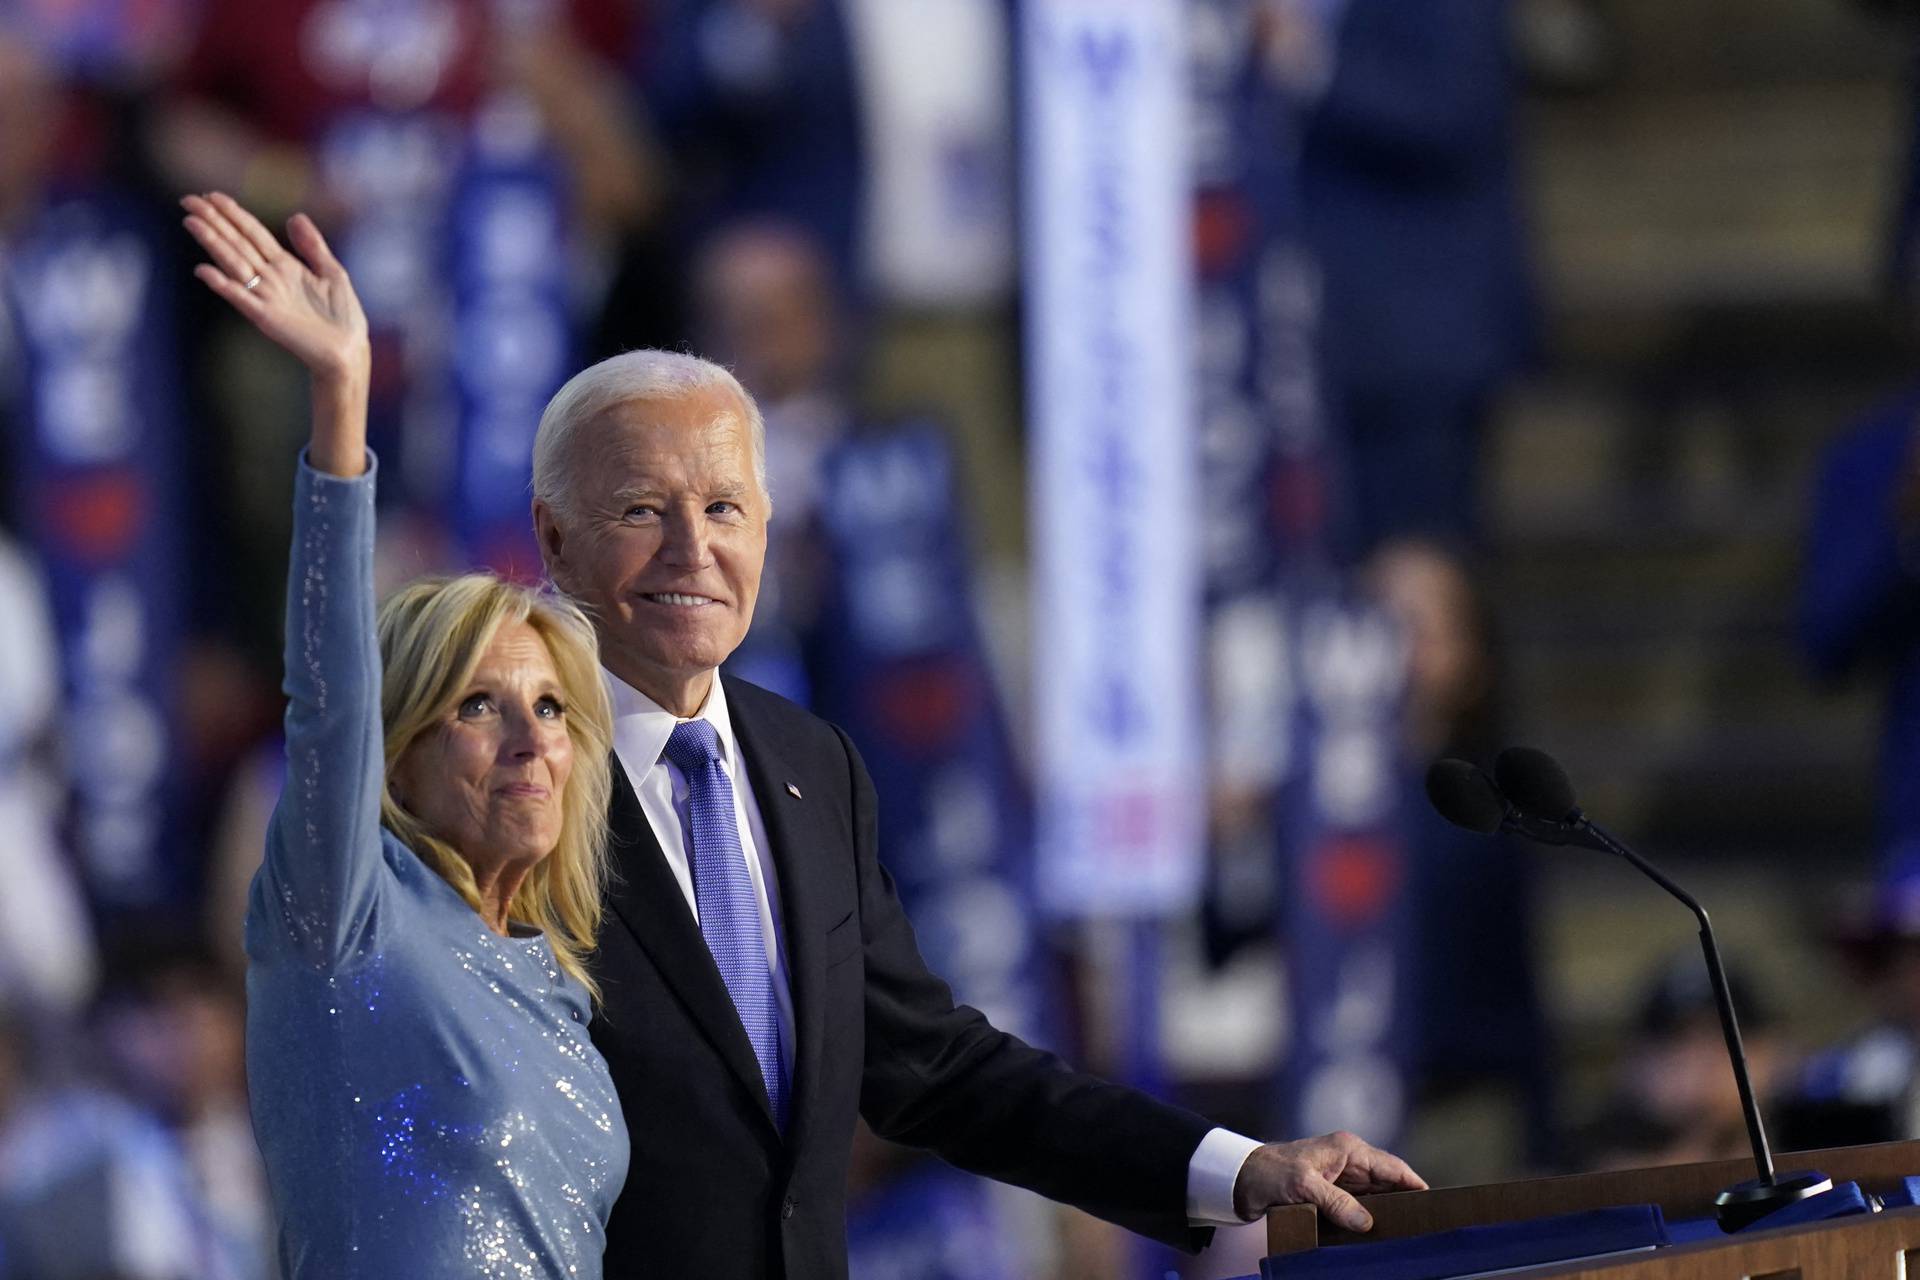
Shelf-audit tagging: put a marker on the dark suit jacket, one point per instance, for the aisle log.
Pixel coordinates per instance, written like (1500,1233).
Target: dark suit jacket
(714,1189)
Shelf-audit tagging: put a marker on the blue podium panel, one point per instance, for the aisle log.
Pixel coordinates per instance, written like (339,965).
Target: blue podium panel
(1905,1196)
(1475,1251)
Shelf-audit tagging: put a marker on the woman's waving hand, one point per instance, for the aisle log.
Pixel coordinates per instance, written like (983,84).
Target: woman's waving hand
(303,302)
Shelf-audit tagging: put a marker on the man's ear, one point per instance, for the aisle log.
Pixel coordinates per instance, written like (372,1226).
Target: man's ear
(552,540)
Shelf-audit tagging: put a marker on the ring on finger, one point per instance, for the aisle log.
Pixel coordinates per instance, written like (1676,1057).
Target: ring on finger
(248,286)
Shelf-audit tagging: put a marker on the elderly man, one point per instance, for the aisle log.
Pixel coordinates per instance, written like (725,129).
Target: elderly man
(762,986)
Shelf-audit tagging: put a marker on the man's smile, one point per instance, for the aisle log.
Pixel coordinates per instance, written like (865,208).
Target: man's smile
(678,599)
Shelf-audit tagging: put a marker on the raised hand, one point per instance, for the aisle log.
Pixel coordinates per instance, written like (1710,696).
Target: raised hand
(304,303)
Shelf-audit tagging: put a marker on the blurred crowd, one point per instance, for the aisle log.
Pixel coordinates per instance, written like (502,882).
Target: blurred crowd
(821,194)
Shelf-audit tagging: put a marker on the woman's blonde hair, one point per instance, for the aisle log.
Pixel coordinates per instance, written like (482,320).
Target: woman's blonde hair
(433,633)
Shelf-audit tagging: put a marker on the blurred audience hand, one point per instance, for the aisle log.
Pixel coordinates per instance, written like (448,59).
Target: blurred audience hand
(613,160)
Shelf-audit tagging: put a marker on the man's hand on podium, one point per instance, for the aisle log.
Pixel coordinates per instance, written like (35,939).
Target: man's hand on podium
(1327,1172)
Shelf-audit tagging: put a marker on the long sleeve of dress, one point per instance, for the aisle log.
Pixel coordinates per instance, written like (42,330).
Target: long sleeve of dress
(317,893)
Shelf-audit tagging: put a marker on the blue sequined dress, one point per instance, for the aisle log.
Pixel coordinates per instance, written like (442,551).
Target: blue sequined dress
(424,1091)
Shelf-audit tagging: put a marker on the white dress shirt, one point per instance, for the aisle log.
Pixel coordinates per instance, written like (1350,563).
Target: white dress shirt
(640,732)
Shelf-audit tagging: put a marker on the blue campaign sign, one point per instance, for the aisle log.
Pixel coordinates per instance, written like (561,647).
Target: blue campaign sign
(1267,453)
(1346,911)
(905,673)
(1305,679)
(507,254)
(99,474)
(1117,721)
(393,172)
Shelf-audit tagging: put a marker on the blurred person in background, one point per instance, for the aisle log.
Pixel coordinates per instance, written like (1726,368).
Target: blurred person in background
(46,938)
(1413,213)
(766,305)
(1673,1097)
(1866,1087)
(92,1187)
(939,248)
(1860,596)
(884,133)
(263,85)
(76,78)
(757,105)
(1479,1027)
(436,863)
(170,1028)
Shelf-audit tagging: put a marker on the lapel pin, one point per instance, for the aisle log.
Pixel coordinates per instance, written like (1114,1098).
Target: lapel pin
(793,791)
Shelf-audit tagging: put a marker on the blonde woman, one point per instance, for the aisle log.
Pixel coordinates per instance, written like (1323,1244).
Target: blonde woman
(424,1090)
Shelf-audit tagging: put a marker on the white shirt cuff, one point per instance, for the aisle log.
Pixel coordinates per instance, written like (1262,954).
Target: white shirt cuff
(1211,1176)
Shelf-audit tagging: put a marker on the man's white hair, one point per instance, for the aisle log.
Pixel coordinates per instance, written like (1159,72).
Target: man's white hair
(633,375)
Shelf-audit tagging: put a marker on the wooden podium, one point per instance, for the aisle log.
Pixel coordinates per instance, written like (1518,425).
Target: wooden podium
(1863,1247)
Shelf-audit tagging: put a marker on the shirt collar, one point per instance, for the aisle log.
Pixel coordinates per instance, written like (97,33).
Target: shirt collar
(642,726)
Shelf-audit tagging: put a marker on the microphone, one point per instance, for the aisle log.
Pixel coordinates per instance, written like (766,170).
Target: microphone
(1535,783)
(1464,795)
(1532,796)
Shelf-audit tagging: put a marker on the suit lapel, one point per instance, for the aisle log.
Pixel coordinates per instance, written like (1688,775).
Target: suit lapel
(650,903)
(790,834)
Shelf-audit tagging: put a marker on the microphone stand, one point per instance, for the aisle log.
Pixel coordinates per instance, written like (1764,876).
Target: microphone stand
(1747,1201)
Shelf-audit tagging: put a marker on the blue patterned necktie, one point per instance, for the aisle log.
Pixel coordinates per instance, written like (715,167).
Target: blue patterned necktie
(723,894)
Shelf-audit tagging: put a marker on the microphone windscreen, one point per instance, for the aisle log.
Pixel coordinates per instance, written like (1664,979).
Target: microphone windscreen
(1465,796)
(1534,782)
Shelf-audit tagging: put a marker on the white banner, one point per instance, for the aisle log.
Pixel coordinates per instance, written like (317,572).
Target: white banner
(1116,563)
